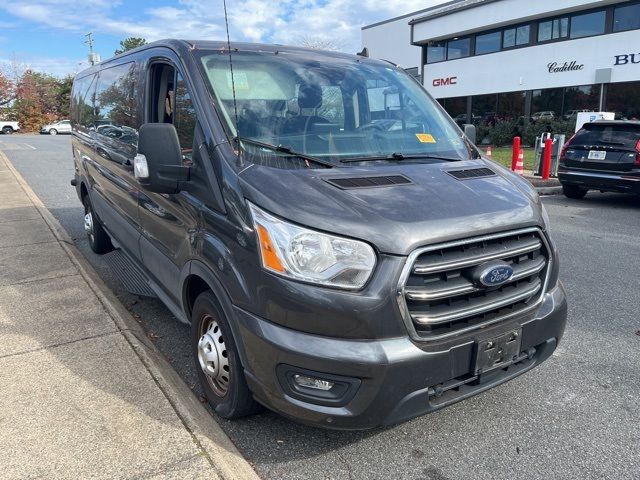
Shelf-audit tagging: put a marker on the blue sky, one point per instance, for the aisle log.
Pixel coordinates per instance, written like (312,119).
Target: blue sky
(48,35)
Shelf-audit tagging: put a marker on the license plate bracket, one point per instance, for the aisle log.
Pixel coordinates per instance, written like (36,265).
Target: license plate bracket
(497,351)
(597,155)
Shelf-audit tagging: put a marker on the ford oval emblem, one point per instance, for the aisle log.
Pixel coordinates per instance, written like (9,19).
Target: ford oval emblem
(495,274)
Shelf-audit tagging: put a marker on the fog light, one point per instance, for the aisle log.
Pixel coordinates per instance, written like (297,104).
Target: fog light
(310,382)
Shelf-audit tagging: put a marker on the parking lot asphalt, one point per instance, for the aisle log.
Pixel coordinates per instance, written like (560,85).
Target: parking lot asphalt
(575,416)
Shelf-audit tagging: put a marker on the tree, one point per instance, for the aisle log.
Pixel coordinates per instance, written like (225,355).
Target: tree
(40,99)
(63,96)
(7,90)
(129,44)
(10,73)
(319,43)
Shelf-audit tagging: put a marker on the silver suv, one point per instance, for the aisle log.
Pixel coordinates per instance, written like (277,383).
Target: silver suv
(63,126)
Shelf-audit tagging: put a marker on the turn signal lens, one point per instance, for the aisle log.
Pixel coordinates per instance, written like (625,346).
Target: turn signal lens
(269,255)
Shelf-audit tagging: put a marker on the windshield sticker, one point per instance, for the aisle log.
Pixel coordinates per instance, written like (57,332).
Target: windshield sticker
(425,138)
(240,79)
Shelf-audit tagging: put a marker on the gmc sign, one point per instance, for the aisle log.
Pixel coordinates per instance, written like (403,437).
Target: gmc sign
(439,82)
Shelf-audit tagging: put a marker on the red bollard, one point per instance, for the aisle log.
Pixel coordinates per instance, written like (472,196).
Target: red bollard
(516,152)
(546,159)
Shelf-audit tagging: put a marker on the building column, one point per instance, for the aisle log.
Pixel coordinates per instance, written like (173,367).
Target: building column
(528,97)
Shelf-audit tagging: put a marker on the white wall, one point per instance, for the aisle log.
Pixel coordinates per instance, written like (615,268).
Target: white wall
(497,14)
(527,68)
(392,40)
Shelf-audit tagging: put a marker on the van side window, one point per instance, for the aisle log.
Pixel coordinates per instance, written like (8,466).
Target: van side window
(184,118)
(115,99)
(170,102)
(82,101)
(162,96)
(116,123)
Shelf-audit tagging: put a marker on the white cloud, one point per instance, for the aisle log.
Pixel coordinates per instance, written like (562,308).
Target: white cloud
(252,20)
(57,66)
(337,22)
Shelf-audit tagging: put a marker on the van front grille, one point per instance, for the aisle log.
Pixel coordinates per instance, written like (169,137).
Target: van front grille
(440,297)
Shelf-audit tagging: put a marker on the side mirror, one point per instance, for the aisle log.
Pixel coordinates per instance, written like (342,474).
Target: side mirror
(158,165)
(470,132)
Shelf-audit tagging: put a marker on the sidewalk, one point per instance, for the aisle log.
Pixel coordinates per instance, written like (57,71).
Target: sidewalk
(83,393)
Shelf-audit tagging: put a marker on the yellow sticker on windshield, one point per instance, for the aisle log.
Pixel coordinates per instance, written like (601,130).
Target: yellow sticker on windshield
(425,138)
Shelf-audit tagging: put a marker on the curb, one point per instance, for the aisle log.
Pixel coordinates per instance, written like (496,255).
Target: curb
(209,437)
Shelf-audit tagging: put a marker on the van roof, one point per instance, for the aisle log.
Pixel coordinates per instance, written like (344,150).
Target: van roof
(184,46)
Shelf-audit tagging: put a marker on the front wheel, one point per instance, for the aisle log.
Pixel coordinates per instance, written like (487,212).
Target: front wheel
(7,130)
(573,191)
(217,362)
(99,240)
(53,131)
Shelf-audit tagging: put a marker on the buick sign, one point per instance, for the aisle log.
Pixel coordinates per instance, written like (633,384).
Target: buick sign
(494,274)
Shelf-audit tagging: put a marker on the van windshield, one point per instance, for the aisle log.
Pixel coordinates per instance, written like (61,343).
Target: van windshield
(340,109)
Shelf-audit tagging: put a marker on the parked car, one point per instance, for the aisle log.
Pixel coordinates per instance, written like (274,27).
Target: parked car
(344,271)
(546,115)
(461,119)
(62,126)
(7,128)
(573,114)
(602,155)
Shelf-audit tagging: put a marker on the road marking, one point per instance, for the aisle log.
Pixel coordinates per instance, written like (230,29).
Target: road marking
(16,146)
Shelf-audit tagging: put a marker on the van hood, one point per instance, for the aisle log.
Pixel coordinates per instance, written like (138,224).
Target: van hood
(434,207)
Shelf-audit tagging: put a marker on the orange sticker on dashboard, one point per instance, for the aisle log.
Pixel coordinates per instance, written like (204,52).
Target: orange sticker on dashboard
(425,138)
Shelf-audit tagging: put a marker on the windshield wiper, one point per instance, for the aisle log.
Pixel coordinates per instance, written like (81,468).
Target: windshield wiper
(285,149)
(400,156)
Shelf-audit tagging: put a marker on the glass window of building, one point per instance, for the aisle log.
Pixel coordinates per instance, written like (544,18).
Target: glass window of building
(509,38)
(580,99)
(522,35)
(456,107)
(553,29)
(436,51)
(516,36)
(484,109)
(588,24)
(458,48)
(510,106)
(626,18)
(488,43)
(547,104)
(624,100)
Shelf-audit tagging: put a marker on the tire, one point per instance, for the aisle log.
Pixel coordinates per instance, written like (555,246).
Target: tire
(99,240)
(7,130)
(214,350)
(53,131)
(573,191)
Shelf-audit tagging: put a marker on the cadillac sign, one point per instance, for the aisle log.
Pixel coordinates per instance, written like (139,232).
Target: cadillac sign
(555,67)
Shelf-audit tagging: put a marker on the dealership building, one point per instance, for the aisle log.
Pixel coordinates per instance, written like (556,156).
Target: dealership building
(509,59)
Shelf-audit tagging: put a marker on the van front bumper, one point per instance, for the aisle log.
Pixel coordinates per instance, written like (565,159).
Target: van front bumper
(382,382)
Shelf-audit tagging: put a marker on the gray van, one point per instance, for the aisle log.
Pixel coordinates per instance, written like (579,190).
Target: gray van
(340,249)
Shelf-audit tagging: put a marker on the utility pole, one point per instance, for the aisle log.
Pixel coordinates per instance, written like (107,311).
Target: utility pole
(93,57)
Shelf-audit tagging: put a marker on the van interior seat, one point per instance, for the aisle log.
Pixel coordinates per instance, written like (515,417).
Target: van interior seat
(309,101)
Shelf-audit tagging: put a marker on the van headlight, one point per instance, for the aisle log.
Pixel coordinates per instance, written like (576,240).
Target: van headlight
(303,254)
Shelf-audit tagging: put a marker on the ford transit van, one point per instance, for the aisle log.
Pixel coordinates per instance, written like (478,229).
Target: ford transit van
(341,250)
